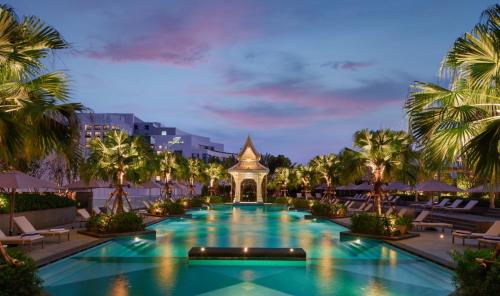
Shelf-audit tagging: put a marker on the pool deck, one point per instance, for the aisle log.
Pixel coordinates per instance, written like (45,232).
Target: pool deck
(432,245)
(54,250)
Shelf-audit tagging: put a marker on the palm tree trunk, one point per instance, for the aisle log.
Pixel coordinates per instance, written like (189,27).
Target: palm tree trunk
(492,200)
(377,189)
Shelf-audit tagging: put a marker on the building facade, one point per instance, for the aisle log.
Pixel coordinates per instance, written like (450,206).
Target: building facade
(160,137)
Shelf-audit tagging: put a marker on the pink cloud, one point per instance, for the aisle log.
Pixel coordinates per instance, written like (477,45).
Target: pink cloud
(179,41)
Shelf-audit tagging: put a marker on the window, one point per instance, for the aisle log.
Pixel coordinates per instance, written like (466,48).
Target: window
(146,127)
(163,133)
(97,127)
(88,127)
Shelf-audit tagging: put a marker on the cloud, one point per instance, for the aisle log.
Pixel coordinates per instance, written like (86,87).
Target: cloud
(183,39)
(347,65)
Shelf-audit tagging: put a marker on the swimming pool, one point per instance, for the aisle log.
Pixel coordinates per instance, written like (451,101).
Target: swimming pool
(141,266)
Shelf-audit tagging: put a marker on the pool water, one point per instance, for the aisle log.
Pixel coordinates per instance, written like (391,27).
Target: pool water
(149,266)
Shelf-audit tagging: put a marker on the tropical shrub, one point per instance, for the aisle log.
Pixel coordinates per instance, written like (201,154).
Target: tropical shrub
(121,222)
(473,279)
(339,210)
(300,203)
(215,199)
(369,223)
(173,208)
(19,280)
(33,202)
(324,210)
(195,202)
(281,200)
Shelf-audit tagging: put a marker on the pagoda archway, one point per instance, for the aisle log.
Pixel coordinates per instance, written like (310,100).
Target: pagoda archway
(249,169)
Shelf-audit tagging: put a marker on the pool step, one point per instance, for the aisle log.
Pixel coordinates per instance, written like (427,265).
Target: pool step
(203,253)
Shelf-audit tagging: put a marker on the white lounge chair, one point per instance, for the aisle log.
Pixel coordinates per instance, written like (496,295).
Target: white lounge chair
(466,208)
(442,204)
(96,210)
(20,239)
(494,230)
(419,223)
(299,195)
(455,204)
(426,204)
(488,240)
(27,228)
(84,215)
(365,207)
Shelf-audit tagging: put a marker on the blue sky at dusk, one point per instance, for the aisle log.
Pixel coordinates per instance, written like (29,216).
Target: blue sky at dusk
(299,76)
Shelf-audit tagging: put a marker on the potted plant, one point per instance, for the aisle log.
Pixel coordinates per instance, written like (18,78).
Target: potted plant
(403,224)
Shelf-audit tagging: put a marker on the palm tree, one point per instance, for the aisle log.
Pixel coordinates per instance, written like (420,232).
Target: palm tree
(461,123)
(117,158)
(382,152)
(304,175)
(194,170)
(282,176)
(167,165)
(326,166)
(214,171)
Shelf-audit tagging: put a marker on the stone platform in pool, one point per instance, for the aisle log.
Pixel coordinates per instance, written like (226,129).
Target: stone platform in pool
(246,253)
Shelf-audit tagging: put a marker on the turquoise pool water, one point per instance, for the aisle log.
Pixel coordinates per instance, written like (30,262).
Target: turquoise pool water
(142,266)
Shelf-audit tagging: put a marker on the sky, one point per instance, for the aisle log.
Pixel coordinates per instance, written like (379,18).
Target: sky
(300,77)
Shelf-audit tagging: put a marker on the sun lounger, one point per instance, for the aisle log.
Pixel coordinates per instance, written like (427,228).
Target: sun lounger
(494,230)
(299,195)
(442,204)
(427,204)
(402,212)
(27,228)
(84,215)
(96,210)
(455,204)
(419,223)
(21,239)
(468,207)
(488,240)
(317,195)
(365,207)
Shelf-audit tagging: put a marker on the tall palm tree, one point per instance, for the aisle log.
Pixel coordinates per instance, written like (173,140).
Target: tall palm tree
(214,171)
(194,170)
(326,166)
(304,174)
(462,122)
(36,118)
(168,164)
(118,158)
(382,152)
(282,177)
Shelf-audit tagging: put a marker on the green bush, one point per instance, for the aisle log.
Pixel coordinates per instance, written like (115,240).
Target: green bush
(281,200)
(19,280)
(405,220)
(300,203)
(215,199)
(195,202)
(473,279)
(324,210)
(33,201)
(173,208)
(369,223)
(123,222)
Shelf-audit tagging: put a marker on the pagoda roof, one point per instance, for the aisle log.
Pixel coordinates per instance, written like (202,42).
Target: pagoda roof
(248,159)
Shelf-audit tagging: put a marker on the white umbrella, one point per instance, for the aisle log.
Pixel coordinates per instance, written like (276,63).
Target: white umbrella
(363,187)
(14,180)
(482,189)
(82,184)
(397,186)
(436,186)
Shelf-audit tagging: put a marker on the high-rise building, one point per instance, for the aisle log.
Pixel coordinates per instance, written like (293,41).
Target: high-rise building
(160,137)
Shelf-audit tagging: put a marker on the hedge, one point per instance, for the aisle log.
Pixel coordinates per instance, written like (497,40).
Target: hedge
(33,202)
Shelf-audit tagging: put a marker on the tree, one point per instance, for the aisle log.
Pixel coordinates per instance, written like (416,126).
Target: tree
(461,123)
(326,166)
(382,153)
(214,171)
(273,162)
(168,164)
(194,170)
(118,158)
(282,177)
(304,175)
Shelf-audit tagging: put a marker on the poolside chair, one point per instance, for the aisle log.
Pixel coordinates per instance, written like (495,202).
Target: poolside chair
(84,215)
(402,212)
(488,240)
(466,208)
(317,195)
(20,239)
(299,195)
(96,210)
(442,204)
(455,204)
(352,207)
(365,207)
(309,195)
(494,230)
(426,204)
(27,228)
(418,223)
